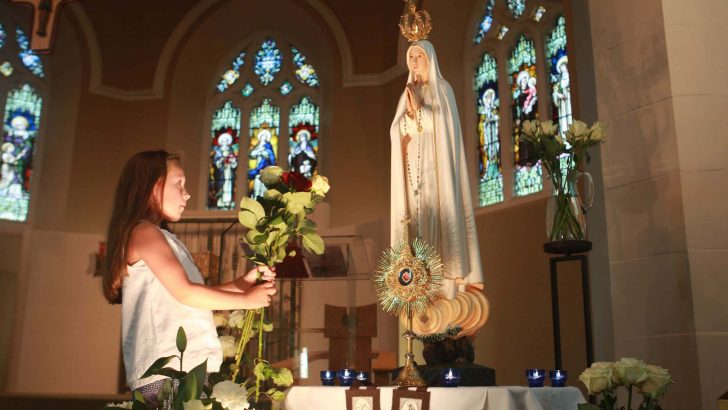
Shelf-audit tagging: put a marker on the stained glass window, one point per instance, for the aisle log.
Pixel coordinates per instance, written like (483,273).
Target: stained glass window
(267,61)
(224,135)
(247,90)
(486,22)
(522,76)
(490,181)
(3,35)
(538,14)
(20,128)
(232,74)
(6,69)
(557,61)
(517,7)
(502,32)
(286,88)
(28,56)
(303,129)
(305,73)
(264,131)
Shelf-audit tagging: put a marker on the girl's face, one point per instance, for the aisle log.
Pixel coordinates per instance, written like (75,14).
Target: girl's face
(174,194)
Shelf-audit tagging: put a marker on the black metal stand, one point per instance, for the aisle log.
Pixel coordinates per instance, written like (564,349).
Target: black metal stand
(567,249)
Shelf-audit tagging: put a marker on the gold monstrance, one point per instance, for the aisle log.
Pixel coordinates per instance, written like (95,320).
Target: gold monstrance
(408,281)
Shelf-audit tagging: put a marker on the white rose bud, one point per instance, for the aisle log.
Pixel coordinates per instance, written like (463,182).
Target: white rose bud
(630,371)
(529,128)
(548,127)
(220,319)
(271,175)
(236,319)
(598,377)
(320,185)
(598,130)
(658,379)
(577,128)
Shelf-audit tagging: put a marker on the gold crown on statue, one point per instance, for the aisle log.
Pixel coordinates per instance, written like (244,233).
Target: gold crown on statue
(415,25)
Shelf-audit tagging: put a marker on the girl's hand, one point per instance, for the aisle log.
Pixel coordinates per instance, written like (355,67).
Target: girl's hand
(260,295)
(265,272)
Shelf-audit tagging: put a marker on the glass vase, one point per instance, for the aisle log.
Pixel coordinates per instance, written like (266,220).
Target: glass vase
(566,209)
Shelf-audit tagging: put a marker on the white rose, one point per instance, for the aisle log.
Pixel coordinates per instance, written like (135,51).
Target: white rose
(220,319)
(231,395)
(229,347)
(598,377)
(195,405)
(630,371)
(548,127)
(320,185)
(598,131)
(577,129)
(529,128)
(236,319)
(271,175)
(658,379)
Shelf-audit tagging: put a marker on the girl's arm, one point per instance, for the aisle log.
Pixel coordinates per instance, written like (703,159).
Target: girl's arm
(149,244)
(245,282)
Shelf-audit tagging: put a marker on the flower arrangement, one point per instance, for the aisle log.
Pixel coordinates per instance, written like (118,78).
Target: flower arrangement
(562,157)
(603,378)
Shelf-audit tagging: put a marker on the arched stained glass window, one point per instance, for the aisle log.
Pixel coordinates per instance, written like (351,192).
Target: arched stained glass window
(23,107)
(229,77)
(507,88)
(225,134)
(28,56)
(516,7)
(490,183)
(267,61)
(486,22)
(524,93)
(265,121)
(303,130)
(260,98)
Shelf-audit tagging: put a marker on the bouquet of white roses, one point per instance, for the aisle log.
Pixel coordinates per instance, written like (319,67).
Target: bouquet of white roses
(603,378)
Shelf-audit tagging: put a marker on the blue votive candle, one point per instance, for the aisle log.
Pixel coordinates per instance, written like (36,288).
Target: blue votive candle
(327,377)
(346,377)
(535,377)
(558,378)
(362,377)
(450,377)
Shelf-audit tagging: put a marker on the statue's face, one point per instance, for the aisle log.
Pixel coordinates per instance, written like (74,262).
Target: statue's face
(418,62)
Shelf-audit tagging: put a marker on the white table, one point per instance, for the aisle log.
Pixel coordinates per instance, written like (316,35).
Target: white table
(460,398)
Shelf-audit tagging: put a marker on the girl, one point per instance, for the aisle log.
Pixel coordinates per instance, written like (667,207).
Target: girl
(151,273)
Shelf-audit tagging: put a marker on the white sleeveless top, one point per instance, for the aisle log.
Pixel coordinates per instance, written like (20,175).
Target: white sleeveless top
(150,317)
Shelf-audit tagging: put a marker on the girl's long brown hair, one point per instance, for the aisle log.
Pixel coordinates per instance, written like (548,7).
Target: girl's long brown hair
(134,202)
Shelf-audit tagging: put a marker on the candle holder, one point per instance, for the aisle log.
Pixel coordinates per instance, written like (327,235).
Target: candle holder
(450,377)
(535,377)
(558,378)
(346,377)
(363,378)
(327,377)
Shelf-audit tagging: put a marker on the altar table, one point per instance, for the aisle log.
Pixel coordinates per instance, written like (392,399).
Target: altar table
(446,398)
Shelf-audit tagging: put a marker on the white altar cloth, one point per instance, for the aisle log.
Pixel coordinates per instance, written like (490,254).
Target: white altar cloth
(460,398)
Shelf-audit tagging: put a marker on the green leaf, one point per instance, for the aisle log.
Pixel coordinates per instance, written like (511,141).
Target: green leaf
(292,253)
(200,372)
(277,396)
(181,340)
(247,219)
(189,391)
(313,243)
(157,365)
(267,327)
(262,371)
(587,406)
(253,206)
(171,373)
(138,405)
(282,377)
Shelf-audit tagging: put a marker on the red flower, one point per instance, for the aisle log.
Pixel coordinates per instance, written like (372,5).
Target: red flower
(296,181)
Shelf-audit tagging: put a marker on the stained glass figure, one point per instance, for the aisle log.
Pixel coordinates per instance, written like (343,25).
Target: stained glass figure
(28,56)
(267,61)
(3,35)
(557,61)
(286,88)
(490,182)
(516,7)
(522,76)
(502,32)
(305,73)
(247,90)
(486,22)
(303,129)
(264,131)
(20,128)
(232,74)
(6,69)
(224,150)
(538,13)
